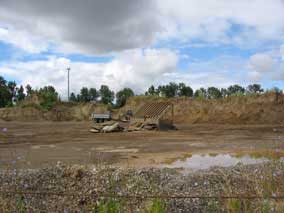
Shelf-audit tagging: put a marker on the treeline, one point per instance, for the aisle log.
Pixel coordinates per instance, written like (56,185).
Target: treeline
(181,90)
(103,95)
(11,94)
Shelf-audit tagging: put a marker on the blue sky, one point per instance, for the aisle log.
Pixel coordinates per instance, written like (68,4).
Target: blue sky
(138,43)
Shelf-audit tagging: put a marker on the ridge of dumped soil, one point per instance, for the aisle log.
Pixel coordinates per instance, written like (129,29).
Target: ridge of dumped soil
(87,183)
(257,109)
(60,112)
(266,108)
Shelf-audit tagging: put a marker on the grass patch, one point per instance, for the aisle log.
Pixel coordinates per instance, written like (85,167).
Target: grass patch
(158,206)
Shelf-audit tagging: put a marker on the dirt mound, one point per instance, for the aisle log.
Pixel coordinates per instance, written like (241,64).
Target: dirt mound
(259,109)
(21,114)
(60,112)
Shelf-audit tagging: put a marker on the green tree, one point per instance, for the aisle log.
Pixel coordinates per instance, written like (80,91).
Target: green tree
(254,88)
(200,93)
(4,93)
(151,91)
(235,89)
(84,94)
(184,90)
(73,97)
(20,94)
(106,94)
(224,92)
(94,94)
(213,92)
(169,91)
(123,95)
(12,86)
(49,96)
(29,90)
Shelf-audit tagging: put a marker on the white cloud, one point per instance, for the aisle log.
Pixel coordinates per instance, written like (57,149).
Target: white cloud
(23,40)
(267,65)
(262,63)
(103,27)
(211,21)
(136,69)
(89,27)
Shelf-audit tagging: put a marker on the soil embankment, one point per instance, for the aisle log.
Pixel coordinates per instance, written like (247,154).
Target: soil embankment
(60,112)
(259,109)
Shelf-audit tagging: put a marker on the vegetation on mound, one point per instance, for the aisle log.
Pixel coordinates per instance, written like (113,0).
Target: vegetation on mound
(11,94)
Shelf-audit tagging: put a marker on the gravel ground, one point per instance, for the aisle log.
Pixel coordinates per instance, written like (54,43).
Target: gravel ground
(77,188)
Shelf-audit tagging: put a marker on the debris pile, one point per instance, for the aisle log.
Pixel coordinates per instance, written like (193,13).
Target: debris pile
(114,126)
(139,126)
(110,126)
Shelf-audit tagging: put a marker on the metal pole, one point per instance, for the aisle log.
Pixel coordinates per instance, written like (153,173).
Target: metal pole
(68,69)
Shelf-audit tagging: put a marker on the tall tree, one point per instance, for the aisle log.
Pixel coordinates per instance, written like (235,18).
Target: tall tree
(107,96)
(93,94)
(169,91)
(224,92)
(12,86)
(29,90)
(4,93)
(184,90)
(213,92)
(235,89)
(254,88)
(200,93)
(20,94)
(48,95)
(123,95)
(84,94)
(151,91)
(73,97)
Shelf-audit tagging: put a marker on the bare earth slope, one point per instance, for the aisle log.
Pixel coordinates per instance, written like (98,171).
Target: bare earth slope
(60,112)
(259,109)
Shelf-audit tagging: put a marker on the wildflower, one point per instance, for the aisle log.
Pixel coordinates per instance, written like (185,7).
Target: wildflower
(65,211)
(26,186)
(5,129)
(274,174)
(273,195)
(195,184)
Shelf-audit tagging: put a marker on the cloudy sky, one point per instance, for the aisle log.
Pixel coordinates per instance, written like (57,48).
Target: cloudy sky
(136,43)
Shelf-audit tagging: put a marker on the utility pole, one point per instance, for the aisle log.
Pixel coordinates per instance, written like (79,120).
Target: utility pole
(68,70)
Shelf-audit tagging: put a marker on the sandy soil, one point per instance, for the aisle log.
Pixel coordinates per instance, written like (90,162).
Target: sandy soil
(35,144)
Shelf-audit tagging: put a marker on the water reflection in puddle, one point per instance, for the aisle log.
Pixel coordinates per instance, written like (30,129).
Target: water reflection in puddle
(201,162)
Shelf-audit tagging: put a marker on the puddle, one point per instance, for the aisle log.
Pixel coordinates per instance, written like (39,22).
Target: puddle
(202,162)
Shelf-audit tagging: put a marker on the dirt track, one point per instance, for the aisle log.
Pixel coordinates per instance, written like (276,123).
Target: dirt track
(38,143)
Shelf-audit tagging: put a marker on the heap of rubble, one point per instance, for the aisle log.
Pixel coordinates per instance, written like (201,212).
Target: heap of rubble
(115,126)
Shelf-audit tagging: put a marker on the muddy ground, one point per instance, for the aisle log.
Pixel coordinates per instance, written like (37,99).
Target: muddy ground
(36,144)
